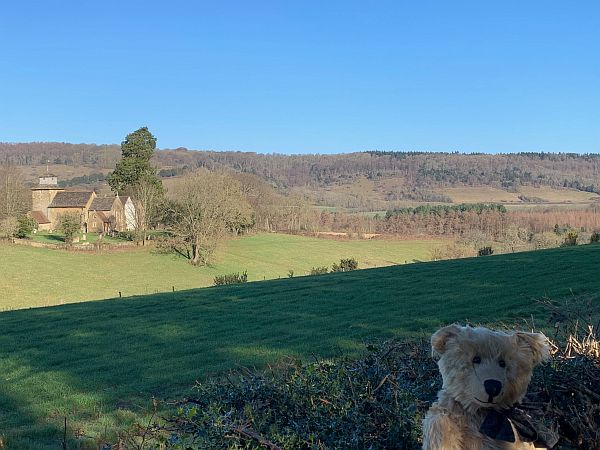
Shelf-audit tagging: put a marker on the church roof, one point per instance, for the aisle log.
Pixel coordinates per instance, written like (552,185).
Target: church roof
(71,199)
(102,203)
(39,217)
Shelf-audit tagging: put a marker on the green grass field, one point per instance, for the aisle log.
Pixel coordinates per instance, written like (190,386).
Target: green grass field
(99,363)
(43,277)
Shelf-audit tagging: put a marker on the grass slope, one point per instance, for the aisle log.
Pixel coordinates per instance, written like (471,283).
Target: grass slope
(99,362)
(42,277)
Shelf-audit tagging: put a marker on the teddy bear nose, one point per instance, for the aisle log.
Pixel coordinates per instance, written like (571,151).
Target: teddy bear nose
(492,387)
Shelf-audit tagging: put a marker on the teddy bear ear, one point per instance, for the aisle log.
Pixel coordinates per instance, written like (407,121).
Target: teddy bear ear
(441,337)
(537,343)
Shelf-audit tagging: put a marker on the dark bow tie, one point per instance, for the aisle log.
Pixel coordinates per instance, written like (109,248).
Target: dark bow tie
(497,425)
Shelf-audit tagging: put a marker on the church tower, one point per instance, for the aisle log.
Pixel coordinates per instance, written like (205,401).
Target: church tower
(43,194)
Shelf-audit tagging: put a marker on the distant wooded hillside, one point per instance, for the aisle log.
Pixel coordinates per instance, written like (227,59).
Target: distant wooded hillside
(415,169)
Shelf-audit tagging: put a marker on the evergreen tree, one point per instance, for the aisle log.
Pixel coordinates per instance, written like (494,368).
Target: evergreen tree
(25,226)
(135,175)
(69,224)
(137,150)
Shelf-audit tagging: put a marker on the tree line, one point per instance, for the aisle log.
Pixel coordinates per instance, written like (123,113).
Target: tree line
(439,210)
(420,171)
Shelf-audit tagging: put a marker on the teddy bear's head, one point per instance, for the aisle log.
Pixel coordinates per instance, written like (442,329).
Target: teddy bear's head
(482,368)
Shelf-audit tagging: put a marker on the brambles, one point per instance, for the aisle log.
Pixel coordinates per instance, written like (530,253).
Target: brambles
(376,401)
(569,386)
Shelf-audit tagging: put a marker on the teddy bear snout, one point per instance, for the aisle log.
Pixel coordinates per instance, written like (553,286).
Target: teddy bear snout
(492,387)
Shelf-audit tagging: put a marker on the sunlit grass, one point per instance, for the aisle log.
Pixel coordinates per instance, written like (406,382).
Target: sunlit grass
(43,277)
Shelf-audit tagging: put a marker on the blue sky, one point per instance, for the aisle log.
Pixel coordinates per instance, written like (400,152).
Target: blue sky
(304,76)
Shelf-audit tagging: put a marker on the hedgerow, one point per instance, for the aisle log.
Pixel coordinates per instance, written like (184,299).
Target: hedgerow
(375,401)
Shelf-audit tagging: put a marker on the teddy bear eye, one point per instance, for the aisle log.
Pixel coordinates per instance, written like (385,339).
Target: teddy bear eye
(476,360)
(502,363)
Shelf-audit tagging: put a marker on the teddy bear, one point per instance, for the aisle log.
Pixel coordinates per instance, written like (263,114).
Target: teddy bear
(484,374)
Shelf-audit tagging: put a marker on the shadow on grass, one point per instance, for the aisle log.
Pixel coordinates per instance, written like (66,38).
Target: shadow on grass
(98,362)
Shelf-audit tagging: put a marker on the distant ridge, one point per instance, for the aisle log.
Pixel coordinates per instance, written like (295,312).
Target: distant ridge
(416,169)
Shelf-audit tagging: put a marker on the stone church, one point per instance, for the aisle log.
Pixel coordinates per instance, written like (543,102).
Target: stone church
(97,214)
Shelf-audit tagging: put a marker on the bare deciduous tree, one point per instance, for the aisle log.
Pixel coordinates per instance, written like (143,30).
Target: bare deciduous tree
(206,206)
(15,198)
(147,195)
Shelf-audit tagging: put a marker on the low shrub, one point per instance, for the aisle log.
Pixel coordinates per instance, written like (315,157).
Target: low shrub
(127,235)
(485,251)
(231,278)
(345,265)
(452,251)
(319,270)
(595,237)
(25,226)
(570,239)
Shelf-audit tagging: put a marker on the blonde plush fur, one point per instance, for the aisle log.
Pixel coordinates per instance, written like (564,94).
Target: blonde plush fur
(467,358)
